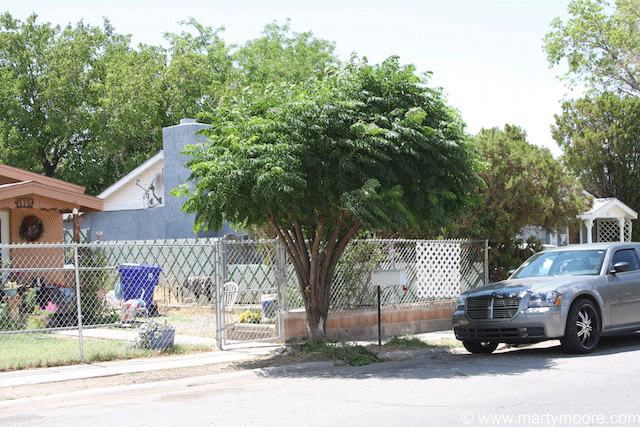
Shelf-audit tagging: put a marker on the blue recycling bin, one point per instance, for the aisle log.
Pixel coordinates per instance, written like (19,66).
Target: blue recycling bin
(139,281)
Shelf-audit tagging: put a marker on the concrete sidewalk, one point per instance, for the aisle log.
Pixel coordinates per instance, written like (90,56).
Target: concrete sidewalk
(91,370)
(126,334)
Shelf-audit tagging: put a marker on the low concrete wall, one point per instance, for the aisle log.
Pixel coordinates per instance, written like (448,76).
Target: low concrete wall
(362,323)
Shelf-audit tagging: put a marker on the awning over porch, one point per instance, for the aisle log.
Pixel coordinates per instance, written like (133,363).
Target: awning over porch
(28,198)
(608,220)
(18,186)
(50,198)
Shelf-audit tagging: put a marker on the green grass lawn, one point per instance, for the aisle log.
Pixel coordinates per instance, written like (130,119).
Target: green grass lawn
(22,351)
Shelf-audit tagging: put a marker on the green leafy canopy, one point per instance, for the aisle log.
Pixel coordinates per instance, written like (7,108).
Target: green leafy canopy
(600,136)
(600,43)
(370,142)
(81,104)
(525,186)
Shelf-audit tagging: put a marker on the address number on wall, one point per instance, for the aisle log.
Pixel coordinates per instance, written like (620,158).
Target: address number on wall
(24,203)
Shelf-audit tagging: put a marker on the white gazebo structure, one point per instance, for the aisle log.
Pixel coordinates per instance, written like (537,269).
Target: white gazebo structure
(609,220)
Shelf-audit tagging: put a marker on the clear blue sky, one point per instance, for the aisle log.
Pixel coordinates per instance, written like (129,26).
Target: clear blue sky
(486,54)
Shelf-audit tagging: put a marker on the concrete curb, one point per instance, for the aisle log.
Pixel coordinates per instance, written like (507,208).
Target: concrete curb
(396,355)
(296,368)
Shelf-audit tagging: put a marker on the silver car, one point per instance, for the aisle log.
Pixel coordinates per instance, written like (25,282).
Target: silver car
(574,293)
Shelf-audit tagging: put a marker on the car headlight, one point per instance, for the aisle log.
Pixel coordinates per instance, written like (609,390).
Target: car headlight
(542,299)
(462,300)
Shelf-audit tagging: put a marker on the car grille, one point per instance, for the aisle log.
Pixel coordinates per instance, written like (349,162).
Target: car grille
(494,307)
(500,334)
(492,334)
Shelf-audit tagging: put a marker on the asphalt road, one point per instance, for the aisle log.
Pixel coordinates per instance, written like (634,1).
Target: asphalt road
(531,386)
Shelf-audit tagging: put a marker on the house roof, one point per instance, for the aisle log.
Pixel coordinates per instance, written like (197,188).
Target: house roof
(131,176)
(55,194)
(12,174)
(609,207)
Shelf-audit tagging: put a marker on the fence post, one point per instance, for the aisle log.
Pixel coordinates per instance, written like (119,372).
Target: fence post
(281,263)
(78,299)
(281,274)
(219,289)
(486,261)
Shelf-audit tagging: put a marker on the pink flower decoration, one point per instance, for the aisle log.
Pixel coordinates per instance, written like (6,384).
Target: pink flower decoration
(51,307)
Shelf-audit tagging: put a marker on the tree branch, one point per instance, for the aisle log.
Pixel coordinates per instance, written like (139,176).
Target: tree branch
(302,243)
(291,248)
(342,245)
(315,253)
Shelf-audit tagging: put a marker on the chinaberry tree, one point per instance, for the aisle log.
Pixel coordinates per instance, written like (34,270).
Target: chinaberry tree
(361,147)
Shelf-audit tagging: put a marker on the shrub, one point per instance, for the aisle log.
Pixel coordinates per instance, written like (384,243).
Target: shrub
(154,335)
(406,342)
(250,316)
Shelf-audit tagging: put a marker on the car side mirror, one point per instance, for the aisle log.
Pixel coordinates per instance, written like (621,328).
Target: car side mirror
(620,267)
(510,272)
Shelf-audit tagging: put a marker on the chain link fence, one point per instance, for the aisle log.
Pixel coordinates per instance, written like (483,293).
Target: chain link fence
(72,302)
(435,270)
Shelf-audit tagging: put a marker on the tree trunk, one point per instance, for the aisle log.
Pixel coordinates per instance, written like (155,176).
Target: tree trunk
(314,261)
(316,326)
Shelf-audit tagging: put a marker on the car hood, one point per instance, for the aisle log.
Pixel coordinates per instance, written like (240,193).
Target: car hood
(518,286)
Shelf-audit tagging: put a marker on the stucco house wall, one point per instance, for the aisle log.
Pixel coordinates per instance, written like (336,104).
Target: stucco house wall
(25,194)
(128,215)
(51,220)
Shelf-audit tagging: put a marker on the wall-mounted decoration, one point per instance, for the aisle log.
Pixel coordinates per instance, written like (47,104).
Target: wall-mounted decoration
(31,228)
(149,197)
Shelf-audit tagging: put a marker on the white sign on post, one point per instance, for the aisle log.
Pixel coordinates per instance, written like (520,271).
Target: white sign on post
(385,278)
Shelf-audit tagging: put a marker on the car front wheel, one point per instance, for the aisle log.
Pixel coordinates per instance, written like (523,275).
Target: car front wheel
(583,328)
(480,347)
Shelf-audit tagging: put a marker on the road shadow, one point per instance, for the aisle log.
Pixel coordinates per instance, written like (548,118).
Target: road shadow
(457,363)
(619,343)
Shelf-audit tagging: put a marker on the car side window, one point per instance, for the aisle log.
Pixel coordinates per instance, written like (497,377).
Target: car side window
(627,255)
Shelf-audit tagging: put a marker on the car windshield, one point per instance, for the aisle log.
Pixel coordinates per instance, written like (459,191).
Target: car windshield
(562,262)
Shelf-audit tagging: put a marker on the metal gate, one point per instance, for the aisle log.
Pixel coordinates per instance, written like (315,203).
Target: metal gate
(252,291)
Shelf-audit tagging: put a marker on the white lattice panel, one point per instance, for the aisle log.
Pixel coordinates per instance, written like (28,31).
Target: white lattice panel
(627,230)
(438,269)
(609,230)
